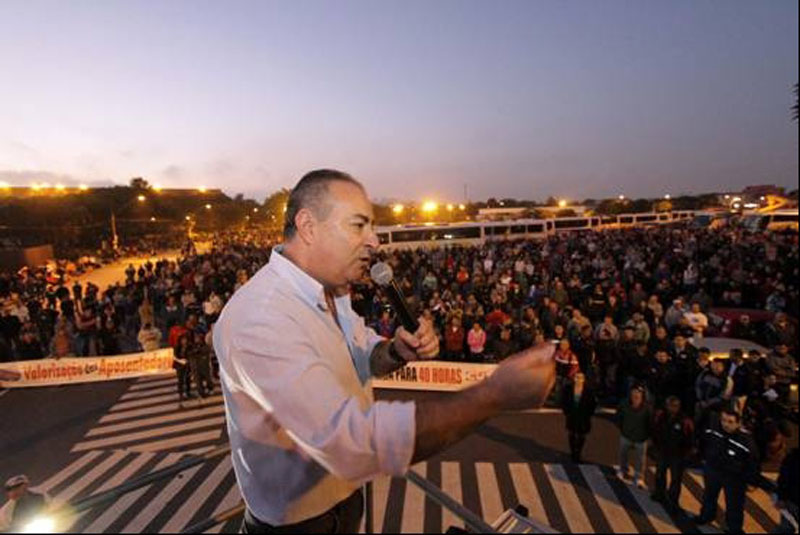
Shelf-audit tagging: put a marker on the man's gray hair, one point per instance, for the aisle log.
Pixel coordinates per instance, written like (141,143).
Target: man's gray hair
(310,193)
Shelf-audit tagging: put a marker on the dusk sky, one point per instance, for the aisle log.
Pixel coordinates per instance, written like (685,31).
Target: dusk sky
(518,99)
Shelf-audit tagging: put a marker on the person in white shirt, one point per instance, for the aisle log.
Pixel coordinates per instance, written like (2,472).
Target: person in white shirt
(149,337)
(697,320)
(296,364)
(22,505)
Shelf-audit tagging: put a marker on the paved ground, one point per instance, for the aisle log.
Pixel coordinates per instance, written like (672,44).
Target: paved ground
(77,441)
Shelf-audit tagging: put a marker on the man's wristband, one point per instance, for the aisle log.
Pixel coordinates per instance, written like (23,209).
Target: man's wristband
(394,354)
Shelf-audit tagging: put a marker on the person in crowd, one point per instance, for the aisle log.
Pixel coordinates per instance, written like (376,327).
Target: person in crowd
(662,378)
(199,357)
(697,320)
(22,505)
(744,329)
(86,322)
(634,418)
(476,340)
(183,366)
(454,339)
(29,346)
(579,402)
(567,366)
(731,463)
(713,388)
(781,364)
(673,441)
(780,331)
(787,493)
(739,370)
(504,346)
(63,342)
(108,332)
(149,337)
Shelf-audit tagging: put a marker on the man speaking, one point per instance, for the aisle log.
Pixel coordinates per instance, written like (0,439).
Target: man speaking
(295,366)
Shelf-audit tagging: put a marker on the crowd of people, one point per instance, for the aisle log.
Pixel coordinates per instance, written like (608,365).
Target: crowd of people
(629,310)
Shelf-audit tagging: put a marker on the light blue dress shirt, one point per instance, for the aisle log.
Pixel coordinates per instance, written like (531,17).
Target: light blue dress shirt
(304,429)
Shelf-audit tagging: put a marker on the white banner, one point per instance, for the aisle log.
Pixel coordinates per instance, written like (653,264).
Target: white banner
(48,372)
(436,375)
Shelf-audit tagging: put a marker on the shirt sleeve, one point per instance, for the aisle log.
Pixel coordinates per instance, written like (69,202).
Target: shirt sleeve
(281,370)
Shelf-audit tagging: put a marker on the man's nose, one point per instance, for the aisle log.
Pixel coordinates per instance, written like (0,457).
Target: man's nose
(372,239)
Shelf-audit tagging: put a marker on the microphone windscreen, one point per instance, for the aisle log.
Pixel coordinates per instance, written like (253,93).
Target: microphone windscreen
(381,273)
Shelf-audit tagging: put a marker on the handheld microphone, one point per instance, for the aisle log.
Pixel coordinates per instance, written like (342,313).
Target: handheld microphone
(383,276)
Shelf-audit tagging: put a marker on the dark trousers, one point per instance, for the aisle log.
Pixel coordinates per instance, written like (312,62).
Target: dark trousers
(184,381)
(344,517)
(576,442)
(676,467)
(735,489)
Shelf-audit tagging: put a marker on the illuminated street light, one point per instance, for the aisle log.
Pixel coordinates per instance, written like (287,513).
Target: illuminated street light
(727,196)
(141,198)
(429,206)
(157,187)
(188,218)
(763,198)
(83,187)
(4,185)
(668,196)
(152,218)
(255,210)
(622,197)
(202,189)
(36,187)
(42,524)
(462,207)
(449,207)
(562,203)
(208,207)
(397,209)
(59,187)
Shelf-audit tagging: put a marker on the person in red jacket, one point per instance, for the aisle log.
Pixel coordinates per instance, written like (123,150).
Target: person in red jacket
(454,339)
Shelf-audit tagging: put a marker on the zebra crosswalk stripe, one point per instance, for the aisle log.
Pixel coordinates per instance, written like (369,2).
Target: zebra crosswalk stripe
(414,504)
(156,420)
(117,508)
(138,394)
(527,492)
(616,515)
(181,518)
(577,520)
(489,491)
(586,496)
(140,435)
(65,473)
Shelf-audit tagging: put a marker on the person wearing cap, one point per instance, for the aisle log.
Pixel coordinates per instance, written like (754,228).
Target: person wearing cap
(22,505)
(296,364)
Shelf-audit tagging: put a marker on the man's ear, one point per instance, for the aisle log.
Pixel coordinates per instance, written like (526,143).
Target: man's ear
(306,225)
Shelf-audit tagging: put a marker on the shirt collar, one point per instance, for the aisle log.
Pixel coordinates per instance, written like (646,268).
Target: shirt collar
(309,288)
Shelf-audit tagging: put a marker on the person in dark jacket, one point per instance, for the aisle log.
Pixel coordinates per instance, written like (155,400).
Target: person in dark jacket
(713,388)
(787,499)
(662,378)
(673,438)
(633,419)
(579,402)
(731,463)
